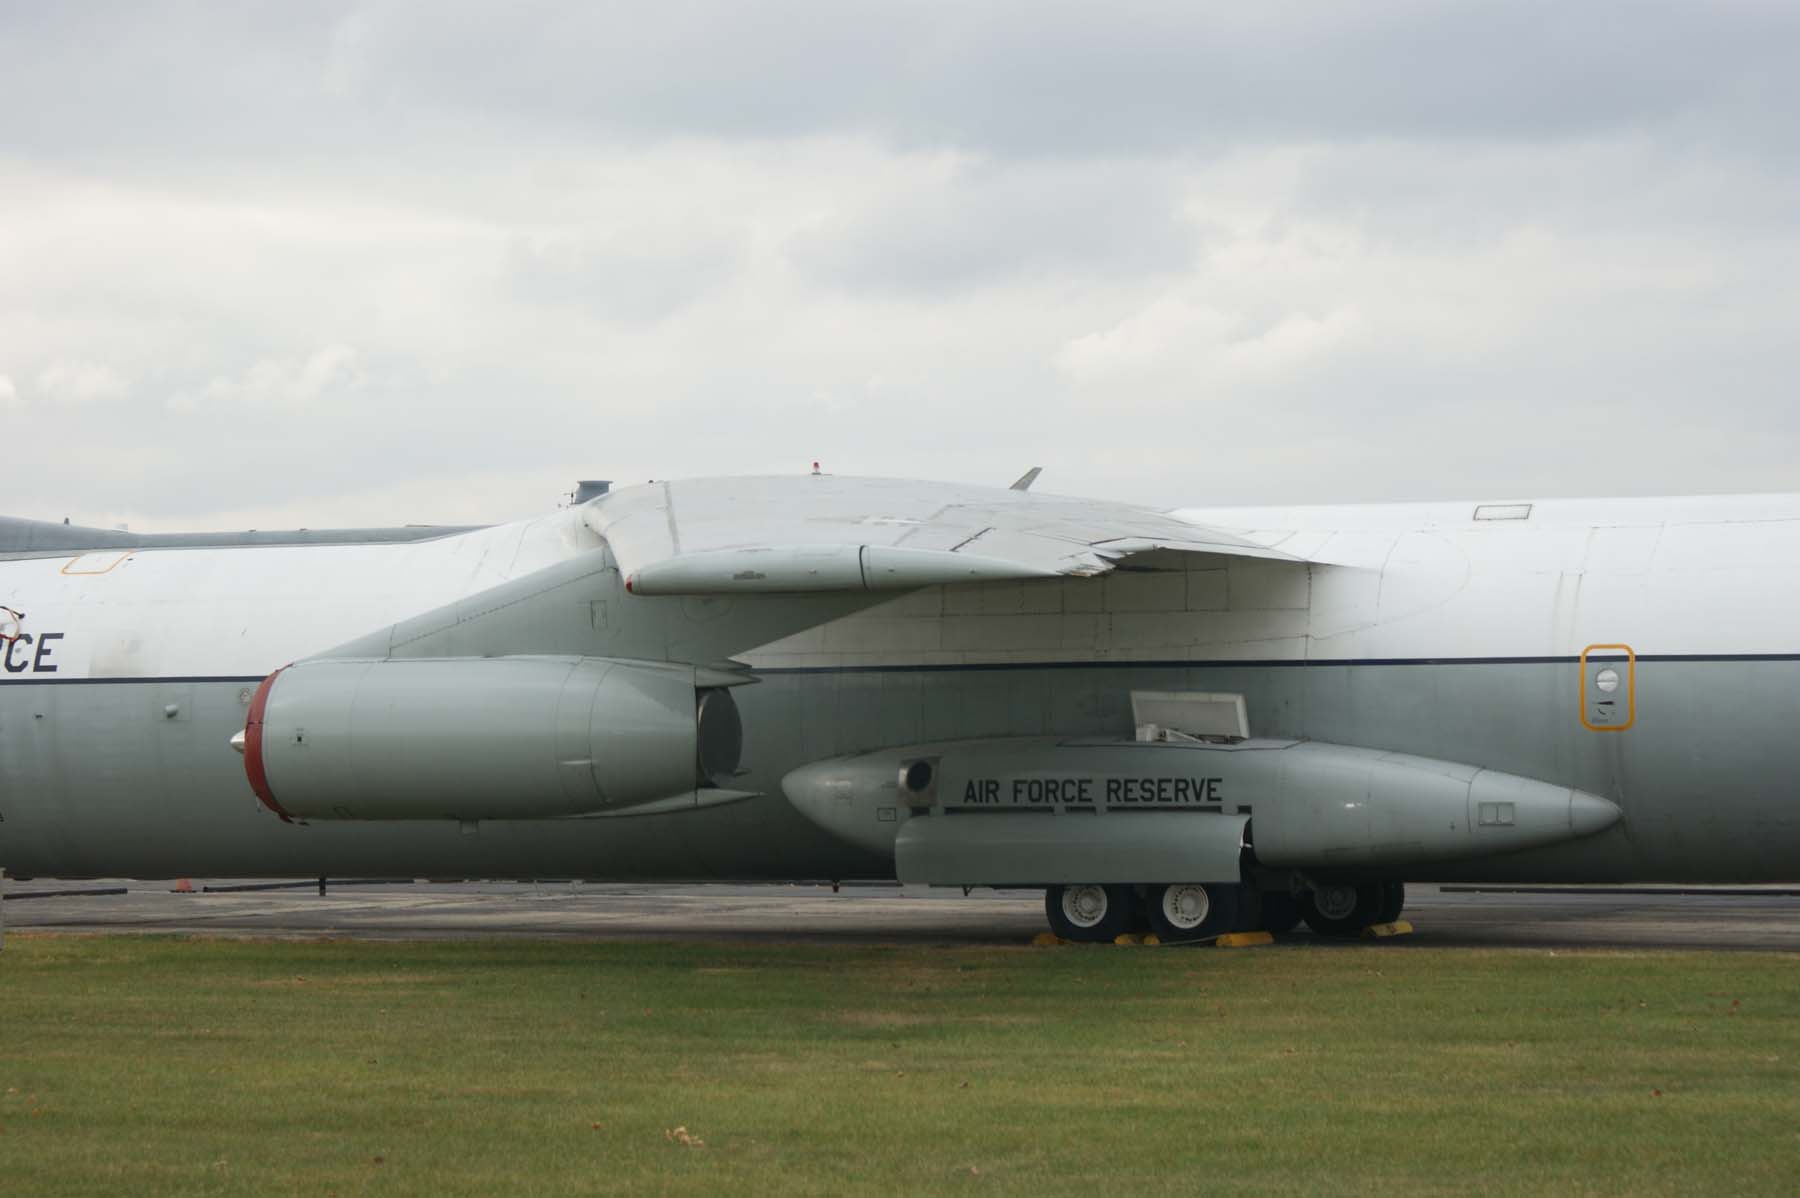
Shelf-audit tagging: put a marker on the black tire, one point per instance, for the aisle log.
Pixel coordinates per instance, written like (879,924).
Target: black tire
(1139,923)
(1280,912)
(1164,905)
(1342,910)
(1088,913)
(1249,911)
(1393,901)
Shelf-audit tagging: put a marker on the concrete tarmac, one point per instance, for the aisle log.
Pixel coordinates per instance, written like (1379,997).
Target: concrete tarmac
(1598,917)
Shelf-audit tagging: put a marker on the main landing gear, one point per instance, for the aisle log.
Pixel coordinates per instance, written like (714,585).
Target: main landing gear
(1090,913)
(1346,908)
(1175,912)
(1194,911)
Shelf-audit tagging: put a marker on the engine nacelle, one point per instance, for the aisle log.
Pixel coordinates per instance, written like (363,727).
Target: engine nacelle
(484,738)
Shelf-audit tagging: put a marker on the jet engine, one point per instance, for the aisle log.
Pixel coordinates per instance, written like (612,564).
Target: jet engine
(485,738)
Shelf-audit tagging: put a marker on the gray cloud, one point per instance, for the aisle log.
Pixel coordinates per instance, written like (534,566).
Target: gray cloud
(1051,78)
(615,274)
(954,225)
(408,261)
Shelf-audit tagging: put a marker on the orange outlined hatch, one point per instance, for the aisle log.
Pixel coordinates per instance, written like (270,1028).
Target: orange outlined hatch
(101,562)
(1608,703)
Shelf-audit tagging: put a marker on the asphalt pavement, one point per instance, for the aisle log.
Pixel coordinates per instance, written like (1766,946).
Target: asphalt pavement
(1598,917)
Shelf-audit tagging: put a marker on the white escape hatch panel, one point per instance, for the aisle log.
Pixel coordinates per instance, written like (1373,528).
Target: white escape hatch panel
(1191,713)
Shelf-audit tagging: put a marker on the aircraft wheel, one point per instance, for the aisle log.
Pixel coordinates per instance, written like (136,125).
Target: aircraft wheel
(1393,901)
(1088,912)
(1192,910)
(1280,912)
(1342,908)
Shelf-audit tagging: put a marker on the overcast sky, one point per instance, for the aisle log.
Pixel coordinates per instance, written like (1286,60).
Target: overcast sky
(346,263)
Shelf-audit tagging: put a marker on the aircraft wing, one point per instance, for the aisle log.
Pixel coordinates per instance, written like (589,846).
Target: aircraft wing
(830,533)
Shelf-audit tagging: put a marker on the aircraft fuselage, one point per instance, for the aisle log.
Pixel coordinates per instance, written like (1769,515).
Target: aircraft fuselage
(1419,629)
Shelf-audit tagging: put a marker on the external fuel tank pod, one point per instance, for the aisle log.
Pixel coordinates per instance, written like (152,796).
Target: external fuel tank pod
(482,738)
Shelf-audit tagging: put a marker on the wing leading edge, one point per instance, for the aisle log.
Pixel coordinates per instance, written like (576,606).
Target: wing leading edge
(828,533)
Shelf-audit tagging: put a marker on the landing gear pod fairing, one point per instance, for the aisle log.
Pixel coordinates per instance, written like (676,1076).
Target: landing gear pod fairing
(959,813)
(484,738)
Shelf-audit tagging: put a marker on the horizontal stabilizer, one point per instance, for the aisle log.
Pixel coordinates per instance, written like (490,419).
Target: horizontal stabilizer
(39,538)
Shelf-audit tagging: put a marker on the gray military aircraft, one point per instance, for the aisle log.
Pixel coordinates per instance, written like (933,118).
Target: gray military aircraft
(1192,721)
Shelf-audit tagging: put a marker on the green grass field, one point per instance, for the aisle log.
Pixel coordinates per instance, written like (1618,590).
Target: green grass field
(178,1066)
